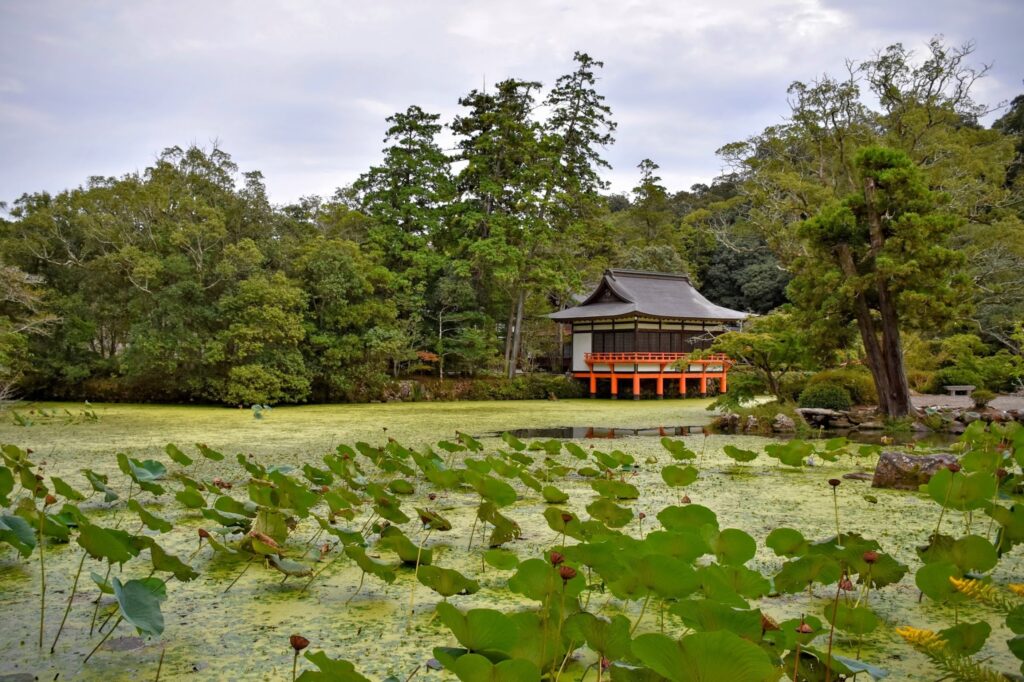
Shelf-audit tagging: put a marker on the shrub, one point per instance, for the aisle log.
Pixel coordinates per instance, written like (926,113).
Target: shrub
(982,397)
(744,386)
(856,380)
(954,376)
(920,380)
(792,385)
(825,395)
(526,387)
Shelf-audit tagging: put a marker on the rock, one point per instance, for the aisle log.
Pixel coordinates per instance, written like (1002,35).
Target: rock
(405,390)
(907,472)
(818,417)
(918,427)
(870,426)
(752,424)
(956,428)
(858,476)
(783,424)
(727,422)
(842,423)
(969,417)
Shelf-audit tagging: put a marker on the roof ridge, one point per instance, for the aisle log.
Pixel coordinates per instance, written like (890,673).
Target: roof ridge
(650,274)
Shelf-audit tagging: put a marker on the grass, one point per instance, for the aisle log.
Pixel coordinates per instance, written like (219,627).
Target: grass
(244,634)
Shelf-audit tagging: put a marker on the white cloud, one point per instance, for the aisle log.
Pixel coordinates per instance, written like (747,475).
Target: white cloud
(300,90)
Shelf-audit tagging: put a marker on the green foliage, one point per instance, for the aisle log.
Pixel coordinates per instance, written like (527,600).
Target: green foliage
(856,380)
(772,346)
(982,397)
(827,395)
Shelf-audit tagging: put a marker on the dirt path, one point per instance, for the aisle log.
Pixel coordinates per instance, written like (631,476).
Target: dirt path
(1003,402)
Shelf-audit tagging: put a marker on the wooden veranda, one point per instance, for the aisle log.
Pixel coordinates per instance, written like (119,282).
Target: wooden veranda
(657,367)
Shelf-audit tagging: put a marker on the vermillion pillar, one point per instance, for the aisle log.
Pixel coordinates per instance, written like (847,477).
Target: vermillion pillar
(703,385)
(636,385)
(615,385)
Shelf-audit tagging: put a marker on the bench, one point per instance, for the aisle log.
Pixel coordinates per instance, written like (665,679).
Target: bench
(959,390)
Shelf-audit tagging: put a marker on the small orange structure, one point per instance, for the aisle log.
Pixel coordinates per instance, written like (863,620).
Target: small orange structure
(644,326)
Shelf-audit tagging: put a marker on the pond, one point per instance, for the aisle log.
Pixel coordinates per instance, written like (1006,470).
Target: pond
(243,634)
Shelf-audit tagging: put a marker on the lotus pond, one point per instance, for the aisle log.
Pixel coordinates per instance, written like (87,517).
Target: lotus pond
(400,542)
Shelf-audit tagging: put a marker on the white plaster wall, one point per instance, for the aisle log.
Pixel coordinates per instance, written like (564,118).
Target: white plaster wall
(582,342)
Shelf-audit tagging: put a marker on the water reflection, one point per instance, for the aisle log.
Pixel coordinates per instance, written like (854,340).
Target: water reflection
(583,432)
(606,432)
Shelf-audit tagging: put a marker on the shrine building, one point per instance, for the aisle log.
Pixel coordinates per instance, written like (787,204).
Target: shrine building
(643,326)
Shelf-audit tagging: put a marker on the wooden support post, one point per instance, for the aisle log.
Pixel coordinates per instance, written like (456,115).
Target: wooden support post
(703,384)
(615,385)
(661,386)
(636,385)
(723,386)
(682,387)
(593,383)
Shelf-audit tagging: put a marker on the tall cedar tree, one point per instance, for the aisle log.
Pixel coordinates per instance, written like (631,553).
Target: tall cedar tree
(880,258)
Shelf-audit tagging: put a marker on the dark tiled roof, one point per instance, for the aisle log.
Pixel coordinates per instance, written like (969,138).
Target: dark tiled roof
(654,294)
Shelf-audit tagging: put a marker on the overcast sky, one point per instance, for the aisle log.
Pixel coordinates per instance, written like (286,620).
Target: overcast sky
(299,90)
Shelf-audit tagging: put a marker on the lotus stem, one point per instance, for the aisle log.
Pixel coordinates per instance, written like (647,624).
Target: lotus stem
(565,659)
(317,573)
(107,620)
(416,575)
(832,630)
(74,589)
(835,505)
(295,664)
(643,609)
(96,610)
(362,577)
(95,648)
(42,576)
(238,577)
(943,512)
(472,529)
(160,665)
(413,673)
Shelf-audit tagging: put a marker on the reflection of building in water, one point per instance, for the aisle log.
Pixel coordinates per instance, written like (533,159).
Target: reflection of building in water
(583,432)
(643,326)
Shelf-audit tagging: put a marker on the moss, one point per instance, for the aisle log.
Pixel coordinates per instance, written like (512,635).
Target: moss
(244,634)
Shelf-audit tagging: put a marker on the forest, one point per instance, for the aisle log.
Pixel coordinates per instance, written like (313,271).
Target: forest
(184,282)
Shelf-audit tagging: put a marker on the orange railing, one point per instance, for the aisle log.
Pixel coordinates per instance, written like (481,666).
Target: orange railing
(594,358)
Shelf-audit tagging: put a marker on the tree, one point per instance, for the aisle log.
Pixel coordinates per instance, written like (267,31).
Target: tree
(259,349)
(651,212)
(879,258)
(22,315)
(772,346)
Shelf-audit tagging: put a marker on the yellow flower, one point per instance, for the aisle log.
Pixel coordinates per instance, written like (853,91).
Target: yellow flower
(919,637)
(1017,589)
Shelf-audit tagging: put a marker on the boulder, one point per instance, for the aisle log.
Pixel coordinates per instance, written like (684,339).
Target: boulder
(752,424)
(727,423)
(783,424)
(871,426)
(969,417)
(858,476)
(907,472)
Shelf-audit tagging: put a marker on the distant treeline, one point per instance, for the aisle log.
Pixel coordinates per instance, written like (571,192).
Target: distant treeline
(183,282)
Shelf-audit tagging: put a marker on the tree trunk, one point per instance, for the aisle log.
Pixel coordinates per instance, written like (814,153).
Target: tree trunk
(508,335)
(517,334)
(440,345)
(897,398)
(884,358)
